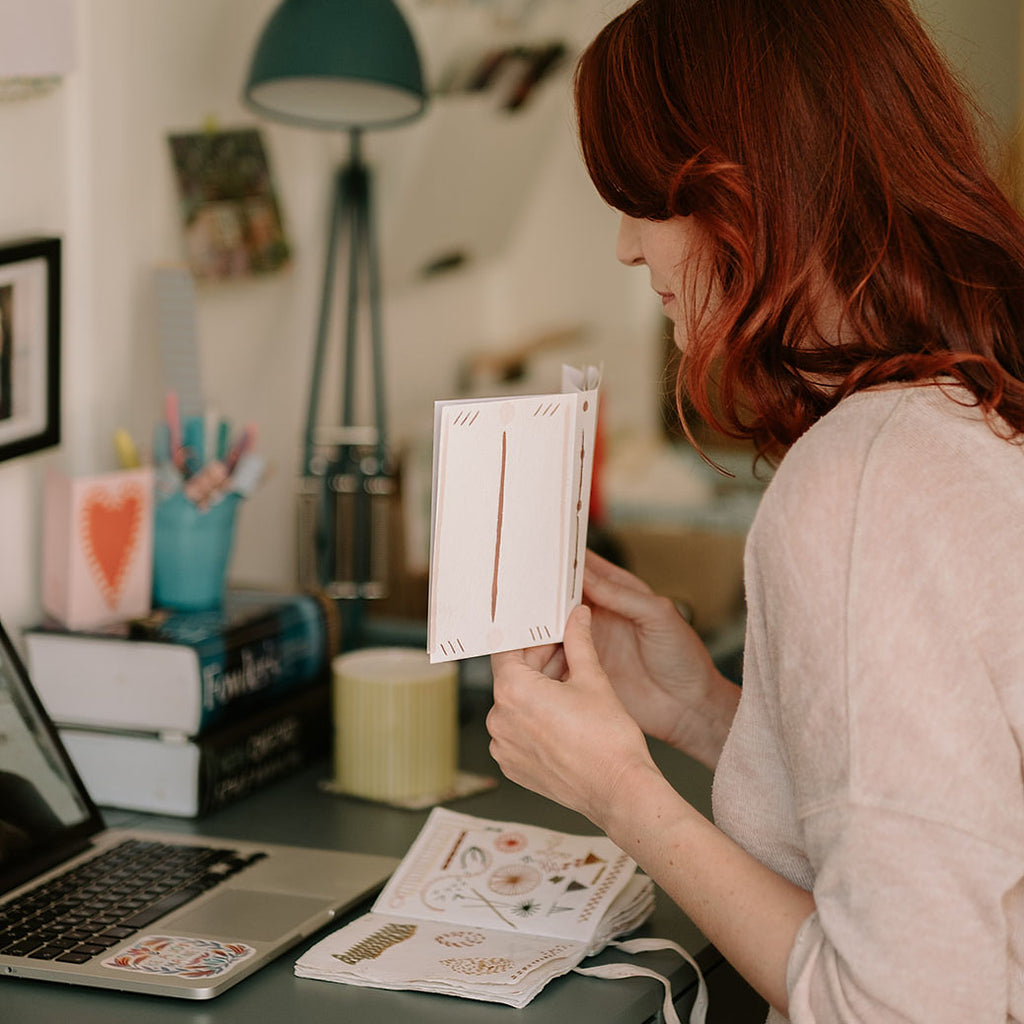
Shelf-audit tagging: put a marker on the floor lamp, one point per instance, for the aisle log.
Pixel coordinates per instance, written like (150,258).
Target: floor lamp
(352,66)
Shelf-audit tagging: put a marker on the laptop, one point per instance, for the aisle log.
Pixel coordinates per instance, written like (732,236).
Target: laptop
(173,915)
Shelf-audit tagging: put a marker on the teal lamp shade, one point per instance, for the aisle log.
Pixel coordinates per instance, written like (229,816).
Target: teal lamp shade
(337,64)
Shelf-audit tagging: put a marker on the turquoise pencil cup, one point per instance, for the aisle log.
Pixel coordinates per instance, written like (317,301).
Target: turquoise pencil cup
(191,550)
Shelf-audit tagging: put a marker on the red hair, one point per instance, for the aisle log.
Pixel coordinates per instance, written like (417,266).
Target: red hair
(828,153)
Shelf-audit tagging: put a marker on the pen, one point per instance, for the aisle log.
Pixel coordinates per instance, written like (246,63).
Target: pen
(127,453)
(193,444)
(243,444)
(173,417)
(248,473)
(205,486)
(210,421)
(223,439)
(161,444)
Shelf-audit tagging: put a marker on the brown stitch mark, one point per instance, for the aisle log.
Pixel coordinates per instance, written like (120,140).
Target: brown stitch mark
(479,965)
(409,886)
(540,958)
(515,879)
(460,939)
(454,850)
(579,511)
(491,907)
(500,523)
(448,646)
(603,888)
(379,942)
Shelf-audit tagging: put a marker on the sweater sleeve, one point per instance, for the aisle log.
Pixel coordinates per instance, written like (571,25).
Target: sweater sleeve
(891,614)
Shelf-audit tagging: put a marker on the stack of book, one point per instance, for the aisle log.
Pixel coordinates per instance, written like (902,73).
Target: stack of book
(181,713)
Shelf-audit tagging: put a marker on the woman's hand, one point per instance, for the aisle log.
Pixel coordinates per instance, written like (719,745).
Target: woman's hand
(573,741)
(657,664)
(568,739)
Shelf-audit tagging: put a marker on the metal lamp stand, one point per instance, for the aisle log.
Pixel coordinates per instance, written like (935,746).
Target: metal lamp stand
(347,481)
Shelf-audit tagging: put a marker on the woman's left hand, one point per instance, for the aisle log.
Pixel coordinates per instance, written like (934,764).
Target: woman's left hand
(569,739)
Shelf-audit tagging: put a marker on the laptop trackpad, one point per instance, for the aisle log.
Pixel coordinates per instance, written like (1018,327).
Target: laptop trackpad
(238,914)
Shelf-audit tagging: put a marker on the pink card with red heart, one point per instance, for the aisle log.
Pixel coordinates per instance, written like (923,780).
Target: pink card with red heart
(98,547)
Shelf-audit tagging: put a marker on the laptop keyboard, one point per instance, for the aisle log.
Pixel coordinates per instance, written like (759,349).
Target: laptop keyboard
(103,901)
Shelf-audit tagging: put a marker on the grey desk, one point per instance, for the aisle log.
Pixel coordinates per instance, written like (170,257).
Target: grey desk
(296,811)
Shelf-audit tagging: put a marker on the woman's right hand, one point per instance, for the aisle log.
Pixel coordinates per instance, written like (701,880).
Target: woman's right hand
(660,669)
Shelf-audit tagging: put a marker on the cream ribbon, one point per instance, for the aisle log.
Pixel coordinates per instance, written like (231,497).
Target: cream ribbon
(623,970)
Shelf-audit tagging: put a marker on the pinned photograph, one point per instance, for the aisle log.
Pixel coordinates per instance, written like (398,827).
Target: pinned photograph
(232,221)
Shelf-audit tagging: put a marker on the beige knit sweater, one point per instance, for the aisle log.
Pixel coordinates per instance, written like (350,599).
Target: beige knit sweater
(876,754)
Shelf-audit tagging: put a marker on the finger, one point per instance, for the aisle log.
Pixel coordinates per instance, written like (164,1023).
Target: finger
(506,660)
(539,657)
(598,570)
(556,667)
(637,604)
(579,644)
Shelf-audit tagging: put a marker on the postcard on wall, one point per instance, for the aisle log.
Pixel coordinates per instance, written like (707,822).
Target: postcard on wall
(232,220)
(509,512)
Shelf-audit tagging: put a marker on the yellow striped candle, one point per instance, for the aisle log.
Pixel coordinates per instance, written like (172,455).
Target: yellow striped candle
(395,724)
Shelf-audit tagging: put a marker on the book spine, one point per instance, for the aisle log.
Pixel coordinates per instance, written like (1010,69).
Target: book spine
(265,747)
(274,655)
(186,673)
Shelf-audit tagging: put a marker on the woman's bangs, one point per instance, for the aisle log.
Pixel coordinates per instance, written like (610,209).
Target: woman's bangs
(616,136)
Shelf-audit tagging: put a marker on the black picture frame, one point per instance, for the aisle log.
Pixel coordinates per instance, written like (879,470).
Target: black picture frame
(30,338)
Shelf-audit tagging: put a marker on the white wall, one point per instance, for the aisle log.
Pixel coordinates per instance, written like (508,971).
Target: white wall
(90,163)
(34,187)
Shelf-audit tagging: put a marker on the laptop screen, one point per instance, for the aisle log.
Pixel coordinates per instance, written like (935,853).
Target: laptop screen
(44,809)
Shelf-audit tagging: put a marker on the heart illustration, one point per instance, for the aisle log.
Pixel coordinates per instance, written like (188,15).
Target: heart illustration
(110,525)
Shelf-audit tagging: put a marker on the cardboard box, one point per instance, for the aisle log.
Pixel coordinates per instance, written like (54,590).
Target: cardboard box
(699,568)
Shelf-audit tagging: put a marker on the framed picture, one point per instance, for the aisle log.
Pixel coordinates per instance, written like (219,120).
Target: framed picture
(29,345)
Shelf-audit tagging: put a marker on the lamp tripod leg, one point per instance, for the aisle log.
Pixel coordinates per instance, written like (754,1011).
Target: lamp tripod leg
(346,501)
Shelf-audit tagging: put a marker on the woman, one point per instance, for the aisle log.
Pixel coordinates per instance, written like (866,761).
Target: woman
(803,183)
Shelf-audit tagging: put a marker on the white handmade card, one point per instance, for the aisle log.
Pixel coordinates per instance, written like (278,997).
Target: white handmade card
(509,510)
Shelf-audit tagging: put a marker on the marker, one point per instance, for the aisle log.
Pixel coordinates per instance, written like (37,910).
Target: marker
(173,417)
(248,473)
(161,444)
(205,486)
(192,437)
(127,453)
(243,444)
(223,439)
(211,427)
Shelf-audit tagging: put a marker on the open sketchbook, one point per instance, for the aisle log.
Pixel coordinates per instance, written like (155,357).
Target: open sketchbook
(510,503)
(487,910)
